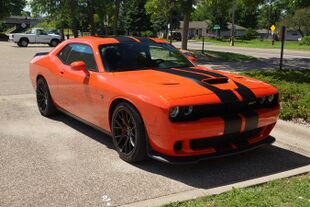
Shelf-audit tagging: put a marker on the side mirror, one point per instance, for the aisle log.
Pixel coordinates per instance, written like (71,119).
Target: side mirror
(191,58)
(78,65)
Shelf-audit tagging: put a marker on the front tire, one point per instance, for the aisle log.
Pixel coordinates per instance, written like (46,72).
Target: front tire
(54,43)
(23,42)
(128,133)
(44,99)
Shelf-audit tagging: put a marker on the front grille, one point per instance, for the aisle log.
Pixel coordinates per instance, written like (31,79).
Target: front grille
(226,109)
(224,141)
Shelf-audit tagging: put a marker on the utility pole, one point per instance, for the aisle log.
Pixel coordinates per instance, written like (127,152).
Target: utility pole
(232,34)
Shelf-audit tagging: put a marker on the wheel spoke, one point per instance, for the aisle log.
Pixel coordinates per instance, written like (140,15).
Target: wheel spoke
(124,131)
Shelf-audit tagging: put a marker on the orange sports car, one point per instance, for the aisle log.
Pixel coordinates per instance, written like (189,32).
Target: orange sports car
(153,99)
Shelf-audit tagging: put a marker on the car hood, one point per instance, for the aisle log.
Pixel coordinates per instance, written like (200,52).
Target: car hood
(181,83)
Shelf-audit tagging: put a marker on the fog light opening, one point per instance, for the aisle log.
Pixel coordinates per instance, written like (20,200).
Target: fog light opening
(178,145)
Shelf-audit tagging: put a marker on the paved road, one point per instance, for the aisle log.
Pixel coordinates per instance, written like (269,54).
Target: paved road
(255,52)
(62,162)
(266,58)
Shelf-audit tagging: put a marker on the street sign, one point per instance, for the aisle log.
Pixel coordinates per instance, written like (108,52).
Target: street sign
(216,27)
(273,28)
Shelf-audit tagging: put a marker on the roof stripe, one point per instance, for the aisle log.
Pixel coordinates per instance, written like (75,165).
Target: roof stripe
(124,39)
(144,39)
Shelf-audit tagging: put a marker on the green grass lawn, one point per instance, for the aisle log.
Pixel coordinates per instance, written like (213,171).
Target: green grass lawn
(288,192)
(294,87)
(259,44)
(221,56)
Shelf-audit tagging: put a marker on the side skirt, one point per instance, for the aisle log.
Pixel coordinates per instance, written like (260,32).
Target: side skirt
(84,121)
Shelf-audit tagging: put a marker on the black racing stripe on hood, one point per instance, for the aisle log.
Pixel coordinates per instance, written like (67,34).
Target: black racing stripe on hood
(246,93)
(226,96)
(251,120)
(217,75)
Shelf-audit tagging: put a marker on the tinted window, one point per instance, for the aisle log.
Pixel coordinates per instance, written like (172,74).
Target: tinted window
(136,56)
(63,54)
(80,52)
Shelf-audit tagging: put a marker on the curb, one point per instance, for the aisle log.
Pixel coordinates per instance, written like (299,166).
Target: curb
(192,194)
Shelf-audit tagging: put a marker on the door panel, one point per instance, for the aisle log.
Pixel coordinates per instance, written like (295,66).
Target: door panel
(77,90)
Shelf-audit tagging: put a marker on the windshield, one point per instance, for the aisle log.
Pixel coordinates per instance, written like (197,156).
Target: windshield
(139,56)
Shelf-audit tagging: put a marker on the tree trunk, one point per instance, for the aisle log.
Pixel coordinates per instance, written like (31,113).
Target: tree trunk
(74,22)
(116,16)
(62,30)
(91,17)
(185,30)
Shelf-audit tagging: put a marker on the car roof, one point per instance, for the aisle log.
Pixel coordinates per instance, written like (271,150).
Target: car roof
(115,39)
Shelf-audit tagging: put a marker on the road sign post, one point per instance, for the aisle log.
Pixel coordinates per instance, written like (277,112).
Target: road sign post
(217,28)
(272,28)
(282,45)
(203,45)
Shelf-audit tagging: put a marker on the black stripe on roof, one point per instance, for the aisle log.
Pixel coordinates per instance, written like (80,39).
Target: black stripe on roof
(144,39)
(124,39)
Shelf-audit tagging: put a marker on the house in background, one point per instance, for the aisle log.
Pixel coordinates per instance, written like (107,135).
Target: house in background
(293,35)
(239,30)
(20,23)
(195,29)
(290,35)
(198,29)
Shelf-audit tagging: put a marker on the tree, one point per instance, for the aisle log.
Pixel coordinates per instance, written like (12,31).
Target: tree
(186,8)
(12,7)
(162,13)
(299,21)
(116,16)
(134,17)
(217,11)
(54,10)
(247,12)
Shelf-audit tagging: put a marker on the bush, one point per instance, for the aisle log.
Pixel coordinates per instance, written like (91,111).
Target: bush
(305,40)
(250,34)
(148,33)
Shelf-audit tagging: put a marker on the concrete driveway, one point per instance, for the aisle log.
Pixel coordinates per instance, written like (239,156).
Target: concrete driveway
(62,162)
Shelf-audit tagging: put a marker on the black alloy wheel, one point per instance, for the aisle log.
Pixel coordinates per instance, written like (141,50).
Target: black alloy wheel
(128,133)
(44,100)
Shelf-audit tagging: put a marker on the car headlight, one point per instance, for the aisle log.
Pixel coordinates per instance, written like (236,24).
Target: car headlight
(174,112)
(270,98)
(262,100)
(180,112)
(188,110)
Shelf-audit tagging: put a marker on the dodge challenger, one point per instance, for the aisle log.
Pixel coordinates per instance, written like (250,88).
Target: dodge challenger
(154,100)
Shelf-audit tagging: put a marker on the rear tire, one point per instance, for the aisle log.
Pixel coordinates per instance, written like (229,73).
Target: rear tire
(128,133)
(44,99)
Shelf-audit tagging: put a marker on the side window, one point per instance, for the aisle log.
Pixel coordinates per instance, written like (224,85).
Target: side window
(80,52)
(41,32)
(63,54)
(158,52)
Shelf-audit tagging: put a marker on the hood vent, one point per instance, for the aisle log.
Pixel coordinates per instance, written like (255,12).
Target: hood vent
(216,80)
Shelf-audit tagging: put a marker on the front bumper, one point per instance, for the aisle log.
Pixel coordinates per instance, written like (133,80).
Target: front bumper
(209,135)
(223,153)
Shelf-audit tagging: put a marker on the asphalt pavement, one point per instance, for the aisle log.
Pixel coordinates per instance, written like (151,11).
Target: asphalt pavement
(266,58)
(61,162)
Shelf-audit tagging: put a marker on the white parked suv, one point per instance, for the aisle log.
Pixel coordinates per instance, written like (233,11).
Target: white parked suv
(35,36)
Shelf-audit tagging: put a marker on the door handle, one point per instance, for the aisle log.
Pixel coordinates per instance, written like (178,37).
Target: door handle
(62,71)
